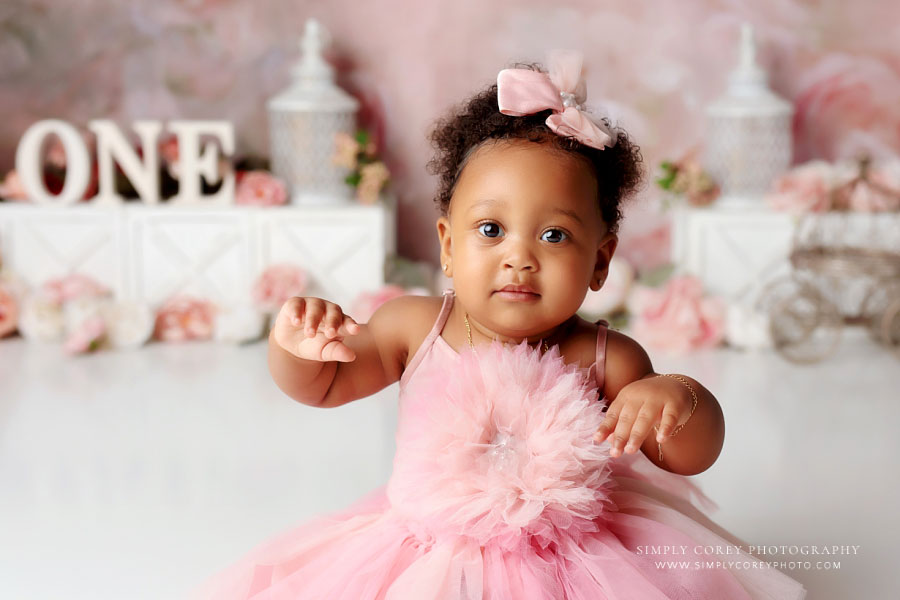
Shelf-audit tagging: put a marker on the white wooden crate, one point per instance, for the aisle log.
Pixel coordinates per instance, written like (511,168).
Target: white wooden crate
(152,253)
(734,251)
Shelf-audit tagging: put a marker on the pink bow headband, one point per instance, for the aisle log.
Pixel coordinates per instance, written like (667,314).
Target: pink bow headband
(525,92)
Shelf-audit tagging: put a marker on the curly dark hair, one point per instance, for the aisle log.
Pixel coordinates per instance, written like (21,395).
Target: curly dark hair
(455,138)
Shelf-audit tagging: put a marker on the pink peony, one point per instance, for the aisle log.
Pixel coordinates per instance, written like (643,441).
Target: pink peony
(260,188)
(72,287)
(806,188)
(12,189)
(846,106)
(184,318)
(277,284)
(9,311)
(678,318)
(509,450)
(86,337)
(366,303)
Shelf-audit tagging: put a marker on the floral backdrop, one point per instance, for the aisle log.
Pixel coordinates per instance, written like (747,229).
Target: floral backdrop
(652,67)
(653,64)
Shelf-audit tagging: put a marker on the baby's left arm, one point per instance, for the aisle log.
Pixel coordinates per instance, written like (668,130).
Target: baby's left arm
(641,399)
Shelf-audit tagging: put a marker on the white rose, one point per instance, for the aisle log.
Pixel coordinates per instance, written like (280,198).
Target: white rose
(128,324)
(41,319)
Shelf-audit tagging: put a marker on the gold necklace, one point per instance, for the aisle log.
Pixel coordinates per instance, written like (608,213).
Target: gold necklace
(469,333)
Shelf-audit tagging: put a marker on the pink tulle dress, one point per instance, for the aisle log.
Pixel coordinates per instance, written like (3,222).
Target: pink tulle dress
(499,492)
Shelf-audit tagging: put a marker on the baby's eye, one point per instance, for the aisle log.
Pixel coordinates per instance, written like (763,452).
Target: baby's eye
(489,229)
(557,236)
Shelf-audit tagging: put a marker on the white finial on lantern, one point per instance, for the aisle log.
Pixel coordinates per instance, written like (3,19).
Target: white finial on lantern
(749,131)
(313,68)
(303,121)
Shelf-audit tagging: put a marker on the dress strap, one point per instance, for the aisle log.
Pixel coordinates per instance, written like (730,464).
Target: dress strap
(600,373)
(446,307)
(436,329)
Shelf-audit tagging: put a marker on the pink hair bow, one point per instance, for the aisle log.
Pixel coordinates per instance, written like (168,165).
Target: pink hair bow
(525,92)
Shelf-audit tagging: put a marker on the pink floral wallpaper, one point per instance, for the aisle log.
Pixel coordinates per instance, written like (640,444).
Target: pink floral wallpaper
(654,65)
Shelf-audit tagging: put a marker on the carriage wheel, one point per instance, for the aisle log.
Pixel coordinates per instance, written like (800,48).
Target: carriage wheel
(882,295)
(890,327)
(779,289)
(805,326)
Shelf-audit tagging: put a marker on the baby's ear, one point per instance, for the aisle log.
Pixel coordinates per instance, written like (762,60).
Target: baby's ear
(443,231)
(605,252)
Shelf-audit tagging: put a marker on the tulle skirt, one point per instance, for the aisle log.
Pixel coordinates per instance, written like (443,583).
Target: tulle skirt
(655,544)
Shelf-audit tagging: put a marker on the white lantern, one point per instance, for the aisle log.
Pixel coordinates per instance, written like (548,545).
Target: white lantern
(303,121)
(749,132)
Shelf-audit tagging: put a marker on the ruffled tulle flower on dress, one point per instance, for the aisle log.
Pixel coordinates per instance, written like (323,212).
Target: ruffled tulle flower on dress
(507,451)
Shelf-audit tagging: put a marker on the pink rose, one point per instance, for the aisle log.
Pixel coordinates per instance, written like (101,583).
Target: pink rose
(678,318)
(12,189)
(71,287)
(366,303)
(86,337)
(277,284)
(804,189)
(9,311)
(260,188)
(184,318)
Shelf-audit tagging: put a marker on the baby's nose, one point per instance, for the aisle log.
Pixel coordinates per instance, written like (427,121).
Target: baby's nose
(520,257)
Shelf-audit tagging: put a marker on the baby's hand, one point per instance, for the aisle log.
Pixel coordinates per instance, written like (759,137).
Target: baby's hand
(638,407)
(314,329)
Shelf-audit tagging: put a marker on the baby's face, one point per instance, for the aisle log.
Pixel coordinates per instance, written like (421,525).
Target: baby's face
(523,213)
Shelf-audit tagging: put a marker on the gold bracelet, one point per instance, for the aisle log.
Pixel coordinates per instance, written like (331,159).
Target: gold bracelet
(694,401)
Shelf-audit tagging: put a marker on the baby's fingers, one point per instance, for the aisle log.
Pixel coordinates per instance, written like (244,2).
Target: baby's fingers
(667,423)
(640,429)
(312,316)
(349,326)
(609,423)
(336,350)
(623,430)
(346,326)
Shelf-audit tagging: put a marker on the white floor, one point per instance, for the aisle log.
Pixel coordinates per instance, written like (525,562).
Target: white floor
(135,475)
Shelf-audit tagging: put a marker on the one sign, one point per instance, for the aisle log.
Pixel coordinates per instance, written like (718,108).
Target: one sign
(143,171)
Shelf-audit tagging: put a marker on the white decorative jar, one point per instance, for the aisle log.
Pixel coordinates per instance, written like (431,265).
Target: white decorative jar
(303,121)
(748,132)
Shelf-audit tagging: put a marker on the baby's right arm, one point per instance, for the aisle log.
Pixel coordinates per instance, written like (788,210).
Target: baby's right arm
(322,357)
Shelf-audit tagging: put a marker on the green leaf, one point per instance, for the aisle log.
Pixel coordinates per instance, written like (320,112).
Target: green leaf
(667,177)
(362,136)
(353,179)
